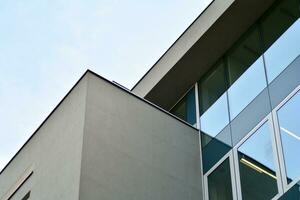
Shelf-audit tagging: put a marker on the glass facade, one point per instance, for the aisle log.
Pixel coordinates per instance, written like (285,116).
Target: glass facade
(213,101)
(292,194)
(282,23)
(289,118)
(219,182)
(253,81)
(257,165)
(246,109)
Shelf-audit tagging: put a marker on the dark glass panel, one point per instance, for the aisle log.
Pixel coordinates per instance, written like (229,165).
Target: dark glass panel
(186,108)
(257,166)
(212,87)
(245,52)
(278,19)
(214,148)
(283,25)
(292,194)
(219,182)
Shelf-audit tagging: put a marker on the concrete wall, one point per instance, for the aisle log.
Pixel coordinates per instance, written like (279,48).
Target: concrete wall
(132,150)
(103,143)
(54,153)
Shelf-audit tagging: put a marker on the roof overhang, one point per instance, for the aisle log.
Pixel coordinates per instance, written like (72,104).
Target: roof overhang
(198,48)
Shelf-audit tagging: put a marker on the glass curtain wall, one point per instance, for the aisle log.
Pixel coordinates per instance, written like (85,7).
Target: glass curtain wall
(242,74)
(219,182)
(289,127)
(214,114)
(250,68)
(293,193)
(246,71)
(257,168)
(213,101)
(281,37)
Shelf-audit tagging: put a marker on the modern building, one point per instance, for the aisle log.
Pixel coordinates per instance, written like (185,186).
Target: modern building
(216,118)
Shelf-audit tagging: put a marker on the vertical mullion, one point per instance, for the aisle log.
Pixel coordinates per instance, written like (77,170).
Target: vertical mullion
(200,142)
(276,155)
(205,186)
(279,150)
(233,169)
(233,175)
(237,172)
(197,103)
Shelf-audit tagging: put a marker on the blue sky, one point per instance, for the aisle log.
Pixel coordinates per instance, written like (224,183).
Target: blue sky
(45,46)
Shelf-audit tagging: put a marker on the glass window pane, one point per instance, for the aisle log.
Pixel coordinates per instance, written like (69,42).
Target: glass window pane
(219,182)
(215,148)
(287,47)
(244,54)
(216,117)
(289,118)
(292,193)
(213,101)
(212,87)
(186,108)
(247,87)
(257,166)
(278,20)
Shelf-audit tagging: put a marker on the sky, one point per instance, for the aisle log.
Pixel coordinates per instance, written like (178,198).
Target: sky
(46,45)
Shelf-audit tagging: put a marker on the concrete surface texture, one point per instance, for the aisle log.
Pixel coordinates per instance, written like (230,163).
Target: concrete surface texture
(102,142)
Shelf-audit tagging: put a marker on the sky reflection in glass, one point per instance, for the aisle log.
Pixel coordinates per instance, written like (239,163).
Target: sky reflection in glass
(216,117)
(259,147)
(289,118)
(257,168)
(283,51)
(247,87)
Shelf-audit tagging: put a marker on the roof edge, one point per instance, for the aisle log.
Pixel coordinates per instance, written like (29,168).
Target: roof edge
(77,82)
(172,45)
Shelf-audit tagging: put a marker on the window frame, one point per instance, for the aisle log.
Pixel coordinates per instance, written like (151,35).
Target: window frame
(269,121)
(229,155)
(277,133)
(279,162)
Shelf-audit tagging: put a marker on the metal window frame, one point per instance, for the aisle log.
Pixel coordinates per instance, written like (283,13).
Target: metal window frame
(269,121)
(229,155)
(277,132)
(199,136)
(278,156)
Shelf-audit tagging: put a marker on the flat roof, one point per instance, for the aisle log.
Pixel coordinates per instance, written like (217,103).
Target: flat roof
(213,32)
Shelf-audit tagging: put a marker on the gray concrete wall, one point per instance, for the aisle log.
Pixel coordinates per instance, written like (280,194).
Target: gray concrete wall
(54,153)
(104,143)
(132,150)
